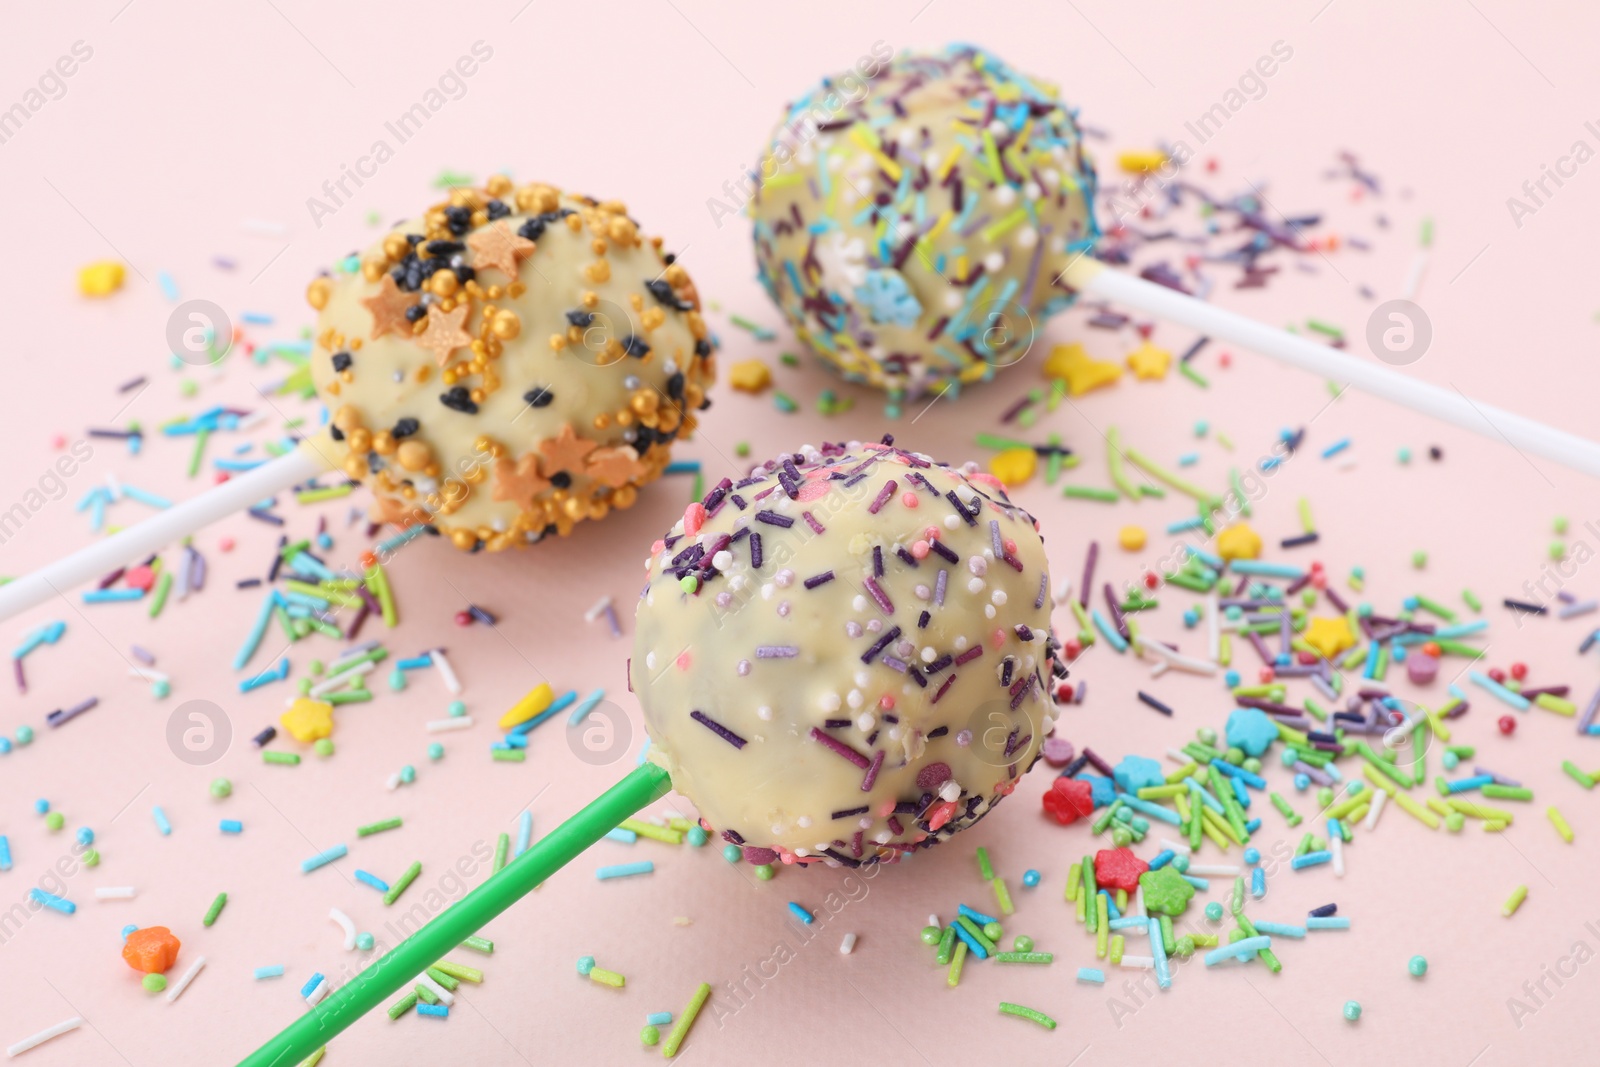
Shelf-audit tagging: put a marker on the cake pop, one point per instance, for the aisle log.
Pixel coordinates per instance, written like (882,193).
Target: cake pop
(847,655)
(514,362)
(915,237)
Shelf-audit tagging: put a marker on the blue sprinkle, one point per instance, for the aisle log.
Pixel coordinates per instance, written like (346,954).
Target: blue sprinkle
(805,916)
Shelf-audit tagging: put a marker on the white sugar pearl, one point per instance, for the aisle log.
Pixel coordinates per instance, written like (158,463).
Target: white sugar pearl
(722,560)
(998,596)
(764,713)
(830,701)
(975,585)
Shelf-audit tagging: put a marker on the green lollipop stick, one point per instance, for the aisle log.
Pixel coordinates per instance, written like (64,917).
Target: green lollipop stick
(400,966)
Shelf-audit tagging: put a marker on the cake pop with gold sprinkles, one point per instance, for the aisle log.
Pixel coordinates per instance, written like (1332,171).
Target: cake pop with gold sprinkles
(516,361)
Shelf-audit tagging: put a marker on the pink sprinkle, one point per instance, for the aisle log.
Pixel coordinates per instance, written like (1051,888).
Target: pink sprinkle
(683,660)
(883,497)
(879,595)
(987,479)
(920,550)
(910,500)
(840,748)
(872,771)
(997,638)
(886,702)
(694,516)
(933,776)
(226,544)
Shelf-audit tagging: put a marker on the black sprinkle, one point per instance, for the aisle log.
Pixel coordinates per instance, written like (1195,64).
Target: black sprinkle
(341,361)
(580,317)
(539,396)
(404,428)
(459,398)
(635,347)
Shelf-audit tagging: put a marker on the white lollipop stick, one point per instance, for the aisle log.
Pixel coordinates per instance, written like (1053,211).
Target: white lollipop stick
(173,524)
(1092,278)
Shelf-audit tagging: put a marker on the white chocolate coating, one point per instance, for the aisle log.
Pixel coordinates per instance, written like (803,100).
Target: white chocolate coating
(846,696)
(914,231)
(554,356)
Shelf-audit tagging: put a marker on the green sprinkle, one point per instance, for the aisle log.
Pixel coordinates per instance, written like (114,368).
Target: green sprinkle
(784,403)
(221,787)
(649,1035)
(1007,1008)
(288,759)
(953,976)
(403,1005)
(163,587)
(1585,780)
(1559,823)
(502,847)
(1518,895)
(215,909)
(154,983)
(1471,600)
(984,867)
(1084,492)
(1417,965)
(1193,375)
(680,1028)
(931,935)
(405,881)
(461,971)
(1024,957)
(378,827)
(509,755)
(479,944)
(947,945)
(1325,329)
(1352,1010)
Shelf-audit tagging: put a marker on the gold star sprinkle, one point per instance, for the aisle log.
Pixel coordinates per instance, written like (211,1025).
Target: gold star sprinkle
(388,309)
(614,466)
(444,333)
(1149,361)
(519,480)
(498,245)
(564,452)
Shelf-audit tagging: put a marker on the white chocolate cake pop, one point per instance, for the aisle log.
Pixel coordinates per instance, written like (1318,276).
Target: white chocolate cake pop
(518,360)
(847,655)
(914,231)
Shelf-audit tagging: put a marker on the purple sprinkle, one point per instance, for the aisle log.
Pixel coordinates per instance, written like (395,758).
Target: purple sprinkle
(995,539)
(883,497)
(818,579)
(880,644)
(939,584)
(772,518)
(1044,584)
(755,551)
(944,550)
(849,813)
(838,747)
(895,664)
(969,655)
(895,826)
(872,771)
(717,728)
(1088,574)
(776,652)
(877,561)
(906,557)
(811,521)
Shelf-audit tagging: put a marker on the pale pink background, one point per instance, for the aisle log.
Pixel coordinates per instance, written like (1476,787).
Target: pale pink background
(191,117)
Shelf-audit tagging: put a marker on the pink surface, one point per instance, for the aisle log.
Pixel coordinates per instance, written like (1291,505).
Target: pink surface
(189,118)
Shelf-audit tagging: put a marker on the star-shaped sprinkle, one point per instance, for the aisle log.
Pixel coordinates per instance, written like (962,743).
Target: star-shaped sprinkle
(1165,891)
(518,481)
(1068,800)
(1149,362)
(1118,868)
(395,510)
(1138,772)
(388,309)
(1329,635)
(614,466)
(1081,371)
(564,452)
(1250,730)
(497,245)
(444,333)
(1239,542)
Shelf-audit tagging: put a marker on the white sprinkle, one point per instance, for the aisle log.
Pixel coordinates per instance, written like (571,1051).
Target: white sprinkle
(441,726)
(340,680)
(114,892)
(181,984)
(44,1035)
(1213,870)
(598,610)
(1377,807)
(345,924)
(393,782)
(446,997)
(847,944)
(318,992)
(442,665)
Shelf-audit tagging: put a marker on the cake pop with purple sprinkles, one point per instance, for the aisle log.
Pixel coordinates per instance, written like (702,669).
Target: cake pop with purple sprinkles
(847,655)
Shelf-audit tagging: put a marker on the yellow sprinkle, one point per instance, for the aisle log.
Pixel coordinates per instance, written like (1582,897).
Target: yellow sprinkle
(1141,162)
(1131,538)
(1015,465)
(1518,895)
(101,279)
(750,376)
(538,698)
(1560,824)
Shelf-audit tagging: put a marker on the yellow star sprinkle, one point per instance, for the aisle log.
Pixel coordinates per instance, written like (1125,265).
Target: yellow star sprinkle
(1239,542)
(1329,635)
(1149,361)
(308,720)
(750,376)
(1015,465)
(1081,371)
